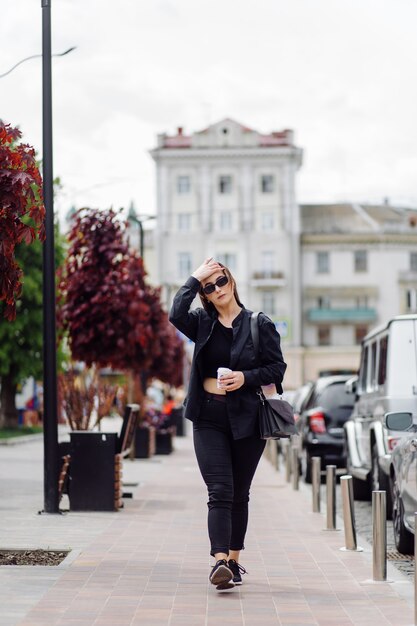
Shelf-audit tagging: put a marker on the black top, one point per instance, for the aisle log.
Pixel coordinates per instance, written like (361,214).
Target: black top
(216,352)
(258,369)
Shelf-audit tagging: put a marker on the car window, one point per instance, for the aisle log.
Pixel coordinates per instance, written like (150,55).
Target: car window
(363,370)
(372,376)
(301,396)
(310,399)
(383,350)
(335,395)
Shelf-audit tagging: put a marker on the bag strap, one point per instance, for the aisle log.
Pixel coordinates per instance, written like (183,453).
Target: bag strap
(254,329)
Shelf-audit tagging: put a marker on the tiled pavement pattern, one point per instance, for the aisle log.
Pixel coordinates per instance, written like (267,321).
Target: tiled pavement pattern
(148,564)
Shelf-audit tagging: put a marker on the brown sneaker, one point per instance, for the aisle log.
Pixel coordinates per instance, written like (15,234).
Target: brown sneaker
(221,575)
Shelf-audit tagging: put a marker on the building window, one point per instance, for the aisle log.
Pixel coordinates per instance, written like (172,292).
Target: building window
(226,220)
(361,261)
(183,184)
(184,222)
(228,259)
(360,333)
(225,184)
(267,183)
(267,221)
(184,264)
(323,333)
(412,300)
(268,263)
(268,302)
(362,302)
(323,262)
(324,302)
(413,261)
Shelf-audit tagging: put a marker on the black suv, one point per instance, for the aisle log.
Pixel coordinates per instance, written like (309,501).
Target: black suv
(324,411)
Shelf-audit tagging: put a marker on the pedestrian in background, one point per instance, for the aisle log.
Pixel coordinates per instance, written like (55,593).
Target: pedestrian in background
(224,411)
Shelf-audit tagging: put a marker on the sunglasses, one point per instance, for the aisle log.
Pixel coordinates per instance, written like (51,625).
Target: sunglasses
(211,287)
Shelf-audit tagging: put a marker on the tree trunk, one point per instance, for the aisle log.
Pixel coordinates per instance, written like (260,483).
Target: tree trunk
(8,411)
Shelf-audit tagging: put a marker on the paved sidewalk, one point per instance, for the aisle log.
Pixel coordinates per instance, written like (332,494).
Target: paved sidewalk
(148,564)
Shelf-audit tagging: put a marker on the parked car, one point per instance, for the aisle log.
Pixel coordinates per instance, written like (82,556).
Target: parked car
(323,413)
(387,382)
(403,473)
(299,399)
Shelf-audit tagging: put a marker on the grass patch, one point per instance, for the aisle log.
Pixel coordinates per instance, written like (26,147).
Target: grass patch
(7,433)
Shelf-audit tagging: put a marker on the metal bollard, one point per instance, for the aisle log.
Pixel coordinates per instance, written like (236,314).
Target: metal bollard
(346,485)
(287,461)
(331,496)
(268,450)
(379,535)
(271,451)
(295,468)
(277,453)
(316,482)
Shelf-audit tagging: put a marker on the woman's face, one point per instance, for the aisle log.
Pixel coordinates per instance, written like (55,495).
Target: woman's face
(221,296)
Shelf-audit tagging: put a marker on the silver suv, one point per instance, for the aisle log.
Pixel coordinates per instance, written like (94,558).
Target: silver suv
(386,383)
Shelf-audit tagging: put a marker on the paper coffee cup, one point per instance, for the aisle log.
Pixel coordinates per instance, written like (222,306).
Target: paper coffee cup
(221,371)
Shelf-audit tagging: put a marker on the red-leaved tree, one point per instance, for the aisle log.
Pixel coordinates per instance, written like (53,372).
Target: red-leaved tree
(113,317)
(167,364)
(21,210)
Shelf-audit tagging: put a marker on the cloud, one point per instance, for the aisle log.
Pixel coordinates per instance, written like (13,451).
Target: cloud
(332,71)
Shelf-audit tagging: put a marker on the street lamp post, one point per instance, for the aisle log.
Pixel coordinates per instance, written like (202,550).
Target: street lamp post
(132,217)
(50,426)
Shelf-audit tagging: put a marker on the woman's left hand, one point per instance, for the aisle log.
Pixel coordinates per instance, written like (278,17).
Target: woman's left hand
(233,381)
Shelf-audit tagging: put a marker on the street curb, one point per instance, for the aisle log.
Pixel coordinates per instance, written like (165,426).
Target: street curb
(13,441)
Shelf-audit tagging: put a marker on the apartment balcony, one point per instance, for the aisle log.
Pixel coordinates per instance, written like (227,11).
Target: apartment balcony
(265,280)
(407,276)
(342,316)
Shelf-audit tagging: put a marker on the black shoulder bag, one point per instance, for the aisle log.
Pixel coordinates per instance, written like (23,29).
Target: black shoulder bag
(276,416)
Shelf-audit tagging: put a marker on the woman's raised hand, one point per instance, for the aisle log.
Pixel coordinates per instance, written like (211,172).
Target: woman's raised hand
(206,269)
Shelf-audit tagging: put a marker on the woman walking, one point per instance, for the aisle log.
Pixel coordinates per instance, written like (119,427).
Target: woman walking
(225,414)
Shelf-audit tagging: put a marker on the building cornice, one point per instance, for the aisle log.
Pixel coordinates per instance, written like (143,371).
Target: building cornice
(346,291)
(216,154)
(358,238)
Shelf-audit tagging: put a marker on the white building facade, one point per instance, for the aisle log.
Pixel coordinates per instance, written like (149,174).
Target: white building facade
(325,274)
(229,192)
(359,269)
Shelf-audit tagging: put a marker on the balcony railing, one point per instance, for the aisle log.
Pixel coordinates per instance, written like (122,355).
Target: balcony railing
(268,279)
(333,316)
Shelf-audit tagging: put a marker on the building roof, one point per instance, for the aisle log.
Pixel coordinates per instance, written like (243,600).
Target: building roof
(358,218)
(226,133)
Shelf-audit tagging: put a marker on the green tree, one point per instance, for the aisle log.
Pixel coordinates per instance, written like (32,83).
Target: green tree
(21,339)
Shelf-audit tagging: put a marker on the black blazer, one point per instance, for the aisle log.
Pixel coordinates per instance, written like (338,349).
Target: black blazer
(262,369)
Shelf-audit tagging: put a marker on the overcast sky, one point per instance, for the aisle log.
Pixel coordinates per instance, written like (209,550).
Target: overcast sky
(341,73)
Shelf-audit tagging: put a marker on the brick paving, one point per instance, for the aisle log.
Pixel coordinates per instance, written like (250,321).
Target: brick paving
(148,564)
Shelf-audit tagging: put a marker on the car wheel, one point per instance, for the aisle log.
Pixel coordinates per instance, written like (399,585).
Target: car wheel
(404,539)
(380,482)
(361,488)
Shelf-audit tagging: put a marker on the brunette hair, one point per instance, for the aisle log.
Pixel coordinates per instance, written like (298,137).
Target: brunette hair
(209,306)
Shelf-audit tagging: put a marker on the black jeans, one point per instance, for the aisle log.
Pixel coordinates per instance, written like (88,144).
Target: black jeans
(227,467)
